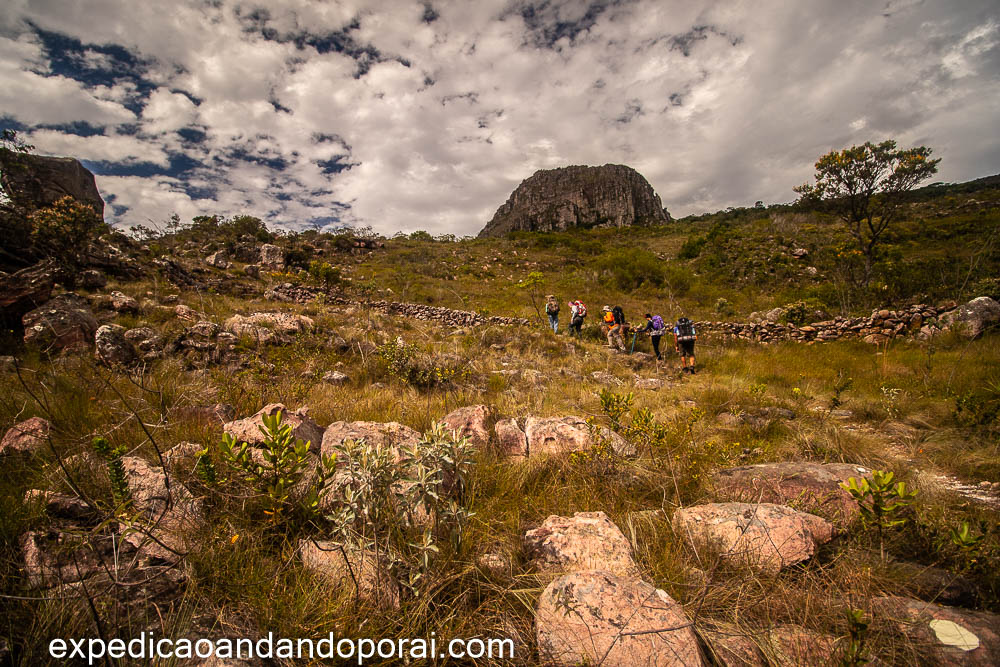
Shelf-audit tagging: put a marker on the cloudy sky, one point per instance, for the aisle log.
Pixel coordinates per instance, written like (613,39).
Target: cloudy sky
(410,115)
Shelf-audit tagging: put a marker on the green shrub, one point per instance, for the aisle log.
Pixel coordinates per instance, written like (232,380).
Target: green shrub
(408,364)
(692,247)
(631,268)
(324,273)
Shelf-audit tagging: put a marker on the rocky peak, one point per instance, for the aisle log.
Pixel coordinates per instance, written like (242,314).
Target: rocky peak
(36,181)
(612,195)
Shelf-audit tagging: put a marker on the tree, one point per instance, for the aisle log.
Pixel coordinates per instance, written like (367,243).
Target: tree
(864,186)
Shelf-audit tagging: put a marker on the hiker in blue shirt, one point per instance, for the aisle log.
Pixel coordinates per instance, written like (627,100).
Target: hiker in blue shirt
(655,328)
(684,338)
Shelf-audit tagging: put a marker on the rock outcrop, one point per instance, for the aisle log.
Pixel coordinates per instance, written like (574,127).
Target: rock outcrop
(303,427)
(26,437)
(63,322)
(363,571)
(388,434)
(112,347)
(585,541)
(470,422)
(36,181)
(947,636)
(563,435)
(612,195)
(973,318)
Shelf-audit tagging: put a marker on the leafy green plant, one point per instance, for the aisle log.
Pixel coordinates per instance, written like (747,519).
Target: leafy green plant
(963,538)
(405,362)
(880,501)
(890,400)
(324,273)
(857,629)
(112,457)
(204,468)
(841,385)
(276,468)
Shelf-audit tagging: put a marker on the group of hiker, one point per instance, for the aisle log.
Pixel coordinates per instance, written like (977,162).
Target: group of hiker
(616,327)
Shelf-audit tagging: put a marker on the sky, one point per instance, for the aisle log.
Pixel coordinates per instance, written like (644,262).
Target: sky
(407,115)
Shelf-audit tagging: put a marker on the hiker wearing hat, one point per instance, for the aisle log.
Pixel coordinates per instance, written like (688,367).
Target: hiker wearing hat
(578,311)
(552,310)
(655,328)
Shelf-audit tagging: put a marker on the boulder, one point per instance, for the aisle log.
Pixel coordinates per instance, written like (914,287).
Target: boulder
(511,439)
(470,422)
(795,646)
(598,618)
(219,260)
(27,437)
(335,377)
(650,384)
(62,506)
(189,314)
(388,434)
(92,279)
(269,328)
(272,257)
(123,303)
(774,314)
(804,485)
(63,322)
(730,647)
(585,541)
(973,318)
(303,427)
(252,270)
(562,435)
(944,635)
(363,571)
(169,510)
(37,181)
(146,340)
(112,347)
(52,558)
(764,536)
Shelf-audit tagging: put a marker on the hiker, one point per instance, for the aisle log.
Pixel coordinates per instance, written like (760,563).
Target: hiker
(614,318)
(552,310)
(655,328)
(578,311)
(684,338)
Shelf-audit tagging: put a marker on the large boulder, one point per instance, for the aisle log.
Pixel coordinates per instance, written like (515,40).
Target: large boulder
(944,635)
(53,558)
(585,541)
(269,328)
(170,513)
(804,485)
(112,347)
(598,618)
(384,434)
(219,260)
(562,435)
(26,437)
(123,303)
(303,427)
(973,318)
(363,571)
(511,439)
(36,181)
(470,422)
(272,257)
(23,291)
(64,322)
(764,536)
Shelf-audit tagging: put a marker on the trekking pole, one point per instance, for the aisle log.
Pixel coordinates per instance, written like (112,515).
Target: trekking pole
(634,336)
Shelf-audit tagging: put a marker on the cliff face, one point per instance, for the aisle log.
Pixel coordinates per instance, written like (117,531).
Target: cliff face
(35,181)
(556,199)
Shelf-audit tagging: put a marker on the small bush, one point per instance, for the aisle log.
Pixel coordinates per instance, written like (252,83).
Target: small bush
(408,364)
(692,247)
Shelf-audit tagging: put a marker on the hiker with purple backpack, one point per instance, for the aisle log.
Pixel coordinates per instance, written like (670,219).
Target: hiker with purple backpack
(655,328)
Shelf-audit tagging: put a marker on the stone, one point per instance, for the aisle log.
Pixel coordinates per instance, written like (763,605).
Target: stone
(795,646)
(64,322)
(559,199)
(973,318)
(511,440)
(585,541)
(52,558)
(36,181)
(598,618)
(650,384)
(27,437)
(563,435)
(730,647)
(112,347)
(123,303)
(169,510)
(803,485)
(470,422)
(799,253)
(272,257)
(269,328)
(62,506)
(361,570)
(774,314)
(603,377)
(219,260)
(92,279)
(188,313)
(764,536)
(944,635)
(335,377)
(145,339)
(936,585)
(303,427)
(388,434)
(252,270)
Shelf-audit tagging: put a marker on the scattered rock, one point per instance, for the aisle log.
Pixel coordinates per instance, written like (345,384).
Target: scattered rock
(219,260)
(651,384)
(123,303)
(61,506)
(973,318)
(803,485)
(252,270)
(603,377)
(64,322)
(189,314)
(562,435)
(585,541)
(27,437)
(511,438)
(497,562)
(303,427)
(360,570)
(272,257)
(52,558)
(947,636)
(112,347)
(335,377)
(383,434)
(92,279)
(146,340)
(936,585)
(764,536)
(598,618)
(269,328)
(730,647)
(470,422)
(170,512)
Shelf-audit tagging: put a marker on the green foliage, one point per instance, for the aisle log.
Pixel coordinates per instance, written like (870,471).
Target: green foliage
(963,538)
(421,235)
(880,501)
(405,362)
(324,273)
(630,268)
(692,247)
(61,230)
(276,473)
(204,468)
(841,385)
(796,313)
(857,629)
(723,308)
(979,406)
(112,457)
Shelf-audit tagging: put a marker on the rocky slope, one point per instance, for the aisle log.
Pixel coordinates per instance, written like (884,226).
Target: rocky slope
(612,195)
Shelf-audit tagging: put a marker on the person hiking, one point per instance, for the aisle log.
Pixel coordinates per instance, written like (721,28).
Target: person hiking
(684,338)
(614,318)
(552,310)
(655,328)
(578,311)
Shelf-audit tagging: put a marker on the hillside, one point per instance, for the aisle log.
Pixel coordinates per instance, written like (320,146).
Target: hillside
(576,476)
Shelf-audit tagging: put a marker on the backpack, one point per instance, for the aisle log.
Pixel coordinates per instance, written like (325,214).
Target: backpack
(619,315)
(552,308)
(685,329)
(581,309)
(657,322)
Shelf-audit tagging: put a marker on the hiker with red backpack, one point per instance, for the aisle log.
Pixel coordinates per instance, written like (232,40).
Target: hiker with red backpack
(655,328)
(578,311)
(684,338)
